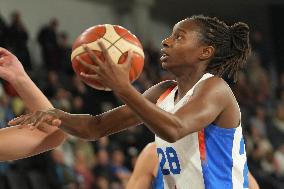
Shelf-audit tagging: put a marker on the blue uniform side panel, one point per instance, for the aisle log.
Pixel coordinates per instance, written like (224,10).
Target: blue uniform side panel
(218,163)
(158,182)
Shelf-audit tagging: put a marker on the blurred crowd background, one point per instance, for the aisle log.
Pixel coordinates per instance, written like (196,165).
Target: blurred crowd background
(108,162)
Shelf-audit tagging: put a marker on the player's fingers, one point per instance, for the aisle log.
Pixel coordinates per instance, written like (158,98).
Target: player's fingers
(105,52)
(92,55)
(22,126)
(4,60)
(4,52)
(28,120)
(129,59)
(89,66)
(56,122)
(38,122)
(90,76)
(30,126)
(17,120)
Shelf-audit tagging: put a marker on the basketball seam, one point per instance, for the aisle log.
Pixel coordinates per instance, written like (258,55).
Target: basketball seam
(113,44)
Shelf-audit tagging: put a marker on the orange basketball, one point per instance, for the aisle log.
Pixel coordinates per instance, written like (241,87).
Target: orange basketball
(118,42)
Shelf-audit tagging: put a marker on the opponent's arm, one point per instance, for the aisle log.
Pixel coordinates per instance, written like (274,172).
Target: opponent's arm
(18,143)
(146,168)
(252,182)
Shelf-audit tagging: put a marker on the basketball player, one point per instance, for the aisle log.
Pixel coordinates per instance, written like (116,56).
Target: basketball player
(147,173)
(27,141)
(18,143)
(196,122)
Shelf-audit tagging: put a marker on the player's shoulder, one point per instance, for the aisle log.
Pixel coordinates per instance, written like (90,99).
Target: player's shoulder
(150,150)
(213,84)
(154,92)
(149,157)
(214,89)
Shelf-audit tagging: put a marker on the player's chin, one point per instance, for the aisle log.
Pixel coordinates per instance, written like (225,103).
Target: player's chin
(165,64)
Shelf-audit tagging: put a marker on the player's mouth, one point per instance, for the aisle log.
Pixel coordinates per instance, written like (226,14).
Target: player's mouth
(164,56)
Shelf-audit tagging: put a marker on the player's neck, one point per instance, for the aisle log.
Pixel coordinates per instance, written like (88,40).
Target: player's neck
(186,82)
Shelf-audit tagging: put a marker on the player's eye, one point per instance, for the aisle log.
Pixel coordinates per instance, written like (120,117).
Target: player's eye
(178,37)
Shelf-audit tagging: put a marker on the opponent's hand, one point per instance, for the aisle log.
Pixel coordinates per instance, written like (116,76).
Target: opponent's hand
(111,75)
(35,119)
(10,67)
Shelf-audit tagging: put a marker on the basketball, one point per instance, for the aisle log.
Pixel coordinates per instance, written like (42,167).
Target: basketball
(117,40)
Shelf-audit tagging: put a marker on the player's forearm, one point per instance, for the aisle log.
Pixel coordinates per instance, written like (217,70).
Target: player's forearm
(18,143)
(164,124)
(33,98)
(94,127)
(77,124)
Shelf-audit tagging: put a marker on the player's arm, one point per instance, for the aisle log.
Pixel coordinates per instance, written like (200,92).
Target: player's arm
(94,127)
(18,143)
(252,182)
(145,170)
(208,100)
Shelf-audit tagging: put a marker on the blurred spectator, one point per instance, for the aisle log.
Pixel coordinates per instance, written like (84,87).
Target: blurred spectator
(280,87)
(17,40)
(85,177)
(6,113)
(65,175)
(3,31)
(52,85)
(152,56)
(102,167)
(276,131)
(48,40)
(77,105)
(62,99)
(118,168)
(102,183)
(260,46)
(65,54)
(86,150)
(258,123)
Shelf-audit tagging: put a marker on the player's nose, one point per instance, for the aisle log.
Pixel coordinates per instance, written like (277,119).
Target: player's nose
(166,42)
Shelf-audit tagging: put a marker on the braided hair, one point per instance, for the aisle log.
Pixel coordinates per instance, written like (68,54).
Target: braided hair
(231,44)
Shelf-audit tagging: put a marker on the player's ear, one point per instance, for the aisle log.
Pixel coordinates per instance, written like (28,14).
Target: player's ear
(206,52)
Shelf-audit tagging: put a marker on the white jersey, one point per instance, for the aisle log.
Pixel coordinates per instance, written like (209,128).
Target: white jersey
(213,158)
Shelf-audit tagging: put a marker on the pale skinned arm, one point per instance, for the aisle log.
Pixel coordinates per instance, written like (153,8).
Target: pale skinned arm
(18,143)
(252,182)
(145,170)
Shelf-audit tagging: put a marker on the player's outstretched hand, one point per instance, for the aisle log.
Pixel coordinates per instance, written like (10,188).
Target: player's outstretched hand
(35,119)
(111,75)
(11,68)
